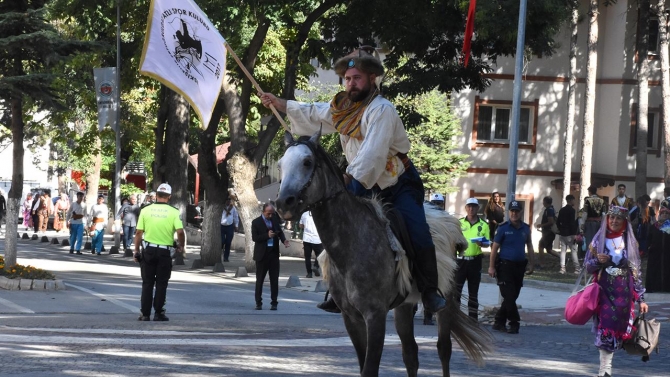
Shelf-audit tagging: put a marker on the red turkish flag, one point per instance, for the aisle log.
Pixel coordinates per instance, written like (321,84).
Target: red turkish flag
(469,29)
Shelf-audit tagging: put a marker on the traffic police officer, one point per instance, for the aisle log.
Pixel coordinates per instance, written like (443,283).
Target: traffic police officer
(509,267)
(470,261)
(157,223)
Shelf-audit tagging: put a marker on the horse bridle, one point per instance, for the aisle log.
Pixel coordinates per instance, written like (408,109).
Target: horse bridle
(317,153)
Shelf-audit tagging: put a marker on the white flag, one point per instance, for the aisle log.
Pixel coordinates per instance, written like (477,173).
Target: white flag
(106,96)
(184,51)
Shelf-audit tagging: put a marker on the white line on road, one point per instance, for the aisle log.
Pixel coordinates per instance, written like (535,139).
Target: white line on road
(117,332)
(15,306)
(133,309)
(250,342)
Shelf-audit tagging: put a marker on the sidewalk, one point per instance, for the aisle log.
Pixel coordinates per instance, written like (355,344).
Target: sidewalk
(541,302)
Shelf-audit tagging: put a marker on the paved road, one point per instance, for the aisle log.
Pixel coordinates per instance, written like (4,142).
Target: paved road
(91,329)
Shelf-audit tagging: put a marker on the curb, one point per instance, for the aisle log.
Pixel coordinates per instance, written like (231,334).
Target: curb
(31,284)
(535,283)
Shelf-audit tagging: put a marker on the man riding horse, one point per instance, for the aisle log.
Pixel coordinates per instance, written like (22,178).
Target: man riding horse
(376,145)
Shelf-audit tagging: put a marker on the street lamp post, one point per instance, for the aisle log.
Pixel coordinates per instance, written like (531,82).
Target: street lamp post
(117,169)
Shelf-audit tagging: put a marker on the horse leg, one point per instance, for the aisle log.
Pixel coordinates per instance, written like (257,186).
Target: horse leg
(356,330)
(444,346)
(376,332)
(404,325)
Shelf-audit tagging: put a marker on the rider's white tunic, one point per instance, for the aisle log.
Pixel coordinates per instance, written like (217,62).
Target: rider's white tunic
(372,160)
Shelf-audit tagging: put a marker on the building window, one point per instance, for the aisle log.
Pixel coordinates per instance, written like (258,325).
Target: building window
(654,131)
(653,40)
(492,122)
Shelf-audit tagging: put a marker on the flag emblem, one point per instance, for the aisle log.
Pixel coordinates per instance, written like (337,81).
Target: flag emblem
(184,51)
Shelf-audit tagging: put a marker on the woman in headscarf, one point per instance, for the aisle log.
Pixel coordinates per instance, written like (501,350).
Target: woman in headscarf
(658,264)
(28,211)
(614,261)
(61,207)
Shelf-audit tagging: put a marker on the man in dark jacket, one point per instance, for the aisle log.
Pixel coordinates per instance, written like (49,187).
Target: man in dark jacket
(568,228)
(3,208)
(128,215)
(266,232)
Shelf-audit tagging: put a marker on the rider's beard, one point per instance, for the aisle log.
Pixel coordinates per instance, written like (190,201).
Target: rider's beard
(359,95)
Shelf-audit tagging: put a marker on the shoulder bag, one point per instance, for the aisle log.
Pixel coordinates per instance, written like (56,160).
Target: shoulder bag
(644,339)
(583,303)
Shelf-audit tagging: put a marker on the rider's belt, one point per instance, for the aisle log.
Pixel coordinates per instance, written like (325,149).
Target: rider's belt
(614,271)
(405,160)
(147,244)
(469,258)
(98,220)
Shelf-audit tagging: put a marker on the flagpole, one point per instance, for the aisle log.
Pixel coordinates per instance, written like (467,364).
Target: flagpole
(253,81)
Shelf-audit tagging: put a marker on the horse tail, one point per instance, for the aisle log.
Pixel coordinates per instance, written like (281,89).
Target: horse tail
(324,263)
(475,341)
(447,237)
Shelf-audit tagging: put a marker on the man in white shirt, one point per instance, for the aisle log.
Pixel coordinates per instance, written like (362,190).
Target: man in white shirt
(310,242)
(375,144)
(75,217)
(99,217)
(230,220)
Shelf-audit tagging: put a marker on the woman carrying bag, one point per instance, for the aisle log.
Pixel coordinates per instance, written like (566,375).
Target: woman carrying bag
(614,260)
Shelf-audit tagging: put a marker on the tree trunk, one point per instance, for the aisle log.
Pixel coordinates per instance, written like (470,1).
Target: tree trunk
(243,173)
(175,160)
(665,86)
(93,177)
(570,122)
(215,183)
(589,100)
(642,99)
(161,121)
(16,191)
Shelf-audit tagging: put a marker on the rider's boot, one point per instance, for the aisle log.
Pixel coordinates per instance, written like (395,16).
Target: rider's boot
(426,264)
(329,305)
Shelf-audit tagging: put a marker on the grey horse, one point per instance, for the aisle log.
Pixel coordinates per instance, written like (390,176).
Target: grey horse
(366,272)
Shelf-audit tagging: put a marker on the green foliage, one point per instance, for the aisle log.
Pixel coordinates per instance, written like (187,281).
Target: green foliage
(128,189)
(433,142)
(424,39)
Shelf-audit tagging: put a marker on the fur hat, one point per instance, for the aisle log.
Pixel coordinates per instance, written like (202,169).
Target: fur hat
(362,59)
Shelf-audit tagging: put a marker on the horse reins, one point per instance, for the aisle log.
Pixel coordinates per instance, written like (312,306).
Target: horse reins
(317,153)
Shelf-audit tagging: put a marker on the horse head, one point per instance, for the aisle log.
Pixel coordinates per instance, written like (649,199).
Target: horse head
(304,182)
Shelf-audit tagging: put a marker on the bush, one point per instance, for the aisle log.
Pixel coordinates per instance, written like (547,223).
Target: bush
(24,272)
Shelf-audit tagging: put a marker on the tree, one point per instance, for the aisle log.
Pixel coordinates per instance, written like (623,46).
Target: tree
(589,99)
(433,146)
(32,50)
(642,98)
(294,21)
(171,153)
(572,94)
(665,84)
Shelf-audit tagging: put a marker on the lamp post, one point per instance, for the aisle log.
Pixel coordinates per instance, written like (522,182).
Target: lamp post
(117,169)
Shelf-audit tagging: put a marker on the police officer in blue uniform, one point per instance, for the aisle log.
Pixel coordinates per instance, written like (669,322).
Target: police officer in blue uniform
(508,265)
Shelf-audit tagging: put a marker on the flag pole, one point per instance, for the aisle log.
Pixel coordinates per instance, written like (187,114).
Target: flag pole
(253,81)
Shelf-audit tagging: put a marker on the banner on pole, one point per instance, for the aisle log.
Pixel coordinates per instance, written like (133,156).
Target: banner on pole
(185,52)
(106,96)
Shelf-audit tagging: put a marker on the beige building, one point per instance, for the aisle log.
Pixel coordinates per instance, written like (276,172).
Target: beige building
(486,120)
